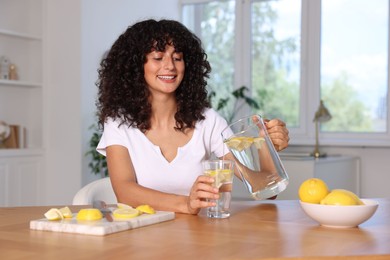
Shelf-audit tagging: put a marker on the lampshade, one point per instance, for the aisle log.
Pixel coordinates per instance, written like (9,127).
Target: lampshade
(322,114)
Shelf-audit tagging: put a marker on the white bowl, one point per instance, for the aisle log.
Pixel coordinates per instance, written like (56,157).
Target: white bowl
(340,216)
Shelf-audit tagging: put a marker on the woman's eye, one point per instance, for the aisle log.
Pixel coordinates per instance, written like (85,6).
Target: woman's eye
(177,58)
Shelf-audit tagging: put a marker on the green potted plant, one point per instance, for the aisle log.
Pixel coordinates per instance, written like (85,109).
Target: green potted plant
(230,105)
(98,163)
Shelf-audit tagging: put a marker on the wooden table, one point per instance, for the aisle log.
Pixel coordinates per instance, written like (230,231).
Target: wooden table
(256,229)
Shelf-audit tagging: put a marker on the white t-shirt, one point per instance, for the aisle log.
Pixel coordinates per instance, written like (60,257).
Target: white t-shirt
(152,169)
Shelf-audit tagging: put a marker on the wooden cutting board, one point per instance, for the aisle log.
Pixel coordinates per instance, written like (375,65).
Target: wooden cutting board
(100,227)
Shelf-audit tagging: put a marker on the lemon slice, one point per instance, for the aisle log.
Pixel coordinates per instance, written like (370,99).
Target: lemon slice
(123,206)
(210,173)
(217,177)
(66,212)
(227,174)
(125,213)
(246,142)
(146,209)
(239,143)
(258,141)
(89,214)
(54,214)
(233,143)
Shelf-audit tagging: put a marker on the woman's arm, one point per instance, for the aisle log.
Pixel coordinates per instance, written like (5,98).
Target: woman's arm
(128,191)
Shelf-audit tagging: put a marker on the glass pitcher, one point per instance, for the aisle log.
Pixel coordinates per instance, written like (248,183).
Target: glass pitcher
(255,156)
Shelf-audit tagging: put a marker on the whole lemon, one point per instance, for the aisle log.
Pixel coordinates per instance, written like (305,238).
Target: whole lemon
(341,197)
(313,190)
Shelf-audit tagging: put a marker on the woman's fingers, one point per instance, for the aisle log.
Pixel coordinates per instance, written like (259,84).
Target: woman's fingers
(278,133)
(202,193)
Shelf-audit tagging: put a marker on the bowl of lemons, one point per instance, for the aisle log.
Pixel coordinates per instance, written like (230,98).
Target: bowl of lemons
(337,208)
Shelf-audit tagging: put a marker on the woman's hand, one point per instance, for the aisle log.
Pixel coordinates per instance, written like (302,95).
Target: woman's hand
(200,193)
(278,133)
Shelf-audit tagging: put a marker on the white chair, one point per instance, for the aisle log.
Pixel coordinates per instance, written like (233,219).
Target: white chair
(97,190)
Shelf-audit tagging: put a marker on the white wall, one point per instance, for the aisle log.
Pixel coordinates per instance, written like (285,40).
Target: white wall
(62,122)
(77,34)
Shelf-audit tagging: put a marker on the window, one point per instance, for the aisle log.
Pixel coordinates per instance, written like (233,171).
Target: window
(214,23)
(354,69)
(294,53)
(275,59)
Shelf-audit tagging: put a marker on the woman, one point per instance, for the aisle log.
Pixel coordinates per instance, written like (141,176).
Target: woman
(157,121)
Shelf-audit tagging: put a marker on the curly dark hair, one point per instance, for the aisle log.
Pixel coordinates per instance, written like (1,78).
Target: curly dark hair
(123,93)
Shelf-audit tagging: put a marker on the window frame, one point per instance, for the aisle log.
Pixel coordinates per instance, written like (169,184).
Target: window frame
(310,82)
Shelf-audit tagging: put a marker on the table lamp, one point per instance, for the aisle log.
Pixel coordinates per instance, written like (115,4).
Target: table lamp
(322,115)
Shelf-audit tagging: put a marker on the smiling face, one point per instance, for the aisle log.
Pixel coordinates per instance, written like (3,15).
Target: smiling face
(164,70)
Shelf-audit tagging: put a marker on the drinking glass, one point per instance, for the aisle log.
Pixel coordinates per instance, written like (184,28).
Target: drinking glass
(255,157)
(222,171)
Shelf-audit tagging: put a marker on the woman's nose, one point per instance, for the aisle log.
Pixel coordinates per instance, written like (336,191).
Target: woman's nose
(168,64)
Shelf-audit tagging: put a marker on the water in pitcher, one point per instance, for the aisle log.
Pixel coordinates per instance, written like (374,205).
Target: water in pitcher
(256,158)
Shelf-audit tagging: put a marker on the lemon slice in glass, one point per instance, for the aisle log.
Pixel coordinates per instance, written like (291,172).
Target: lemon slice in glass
(227,174)
(54,214)
(125,213)
(89,214)
(210,173)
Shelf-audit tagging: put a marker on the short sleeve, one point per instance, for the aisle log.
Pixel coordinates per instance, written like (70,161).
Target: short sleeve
(113,134)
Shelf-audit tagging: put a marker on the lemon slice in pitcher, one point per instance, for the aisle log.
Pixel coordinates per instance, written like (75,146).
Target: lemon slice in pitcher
(233,143)
(258,141)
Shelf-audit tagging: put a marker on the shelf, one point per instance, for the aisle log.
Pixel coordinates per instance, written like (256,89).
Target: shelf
(19,35)
(4,153)
(18,83)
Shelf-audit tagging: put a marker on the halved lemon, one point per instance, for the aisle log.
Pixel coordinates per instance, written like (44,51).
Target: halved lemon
(89,214)
(125,213)
(54,214)
(146,209)
(66,212)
